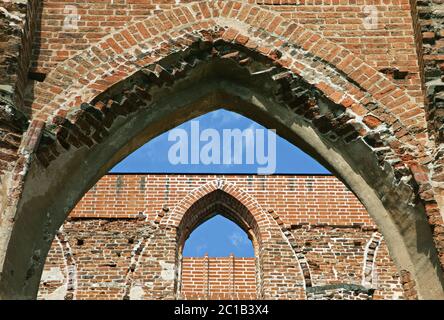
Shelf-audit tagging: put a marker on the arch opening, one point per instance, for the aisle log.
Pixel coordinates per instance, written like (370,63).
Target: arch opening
(218,236)
(228,273)
(219,272)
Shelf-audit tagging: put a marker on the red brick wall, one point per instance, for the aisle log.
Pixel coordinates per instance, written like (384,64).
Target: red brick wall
(390,46)
(121,241)
(218,278)
(297,199)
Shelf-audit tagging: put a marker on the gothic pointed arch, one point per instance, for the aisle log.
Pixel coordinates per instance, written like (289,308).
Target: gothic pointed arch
(273,250)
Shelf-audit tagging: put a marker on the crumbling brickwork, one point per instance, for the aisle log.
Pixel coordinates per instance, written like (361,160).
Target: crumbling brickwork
(17,25)
(121,241)
(391,50)
(431,18)
(431,13)
(355,85)
(18,21)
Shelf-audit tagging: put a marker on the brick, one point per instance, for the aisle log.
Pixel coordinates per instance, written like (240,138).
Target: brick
(371,121)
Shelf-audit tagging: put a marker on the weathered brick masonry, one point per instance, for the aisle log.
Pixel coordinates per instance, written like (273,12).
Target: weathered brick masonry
(121,241)
(364,101)
(391,50)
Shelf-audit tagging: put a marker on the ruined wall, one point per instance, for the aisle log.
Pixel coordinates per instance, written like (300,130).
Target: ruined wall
(392,48)
(115,245)
(431,13)
(127,195)
(431,18)
(18,22)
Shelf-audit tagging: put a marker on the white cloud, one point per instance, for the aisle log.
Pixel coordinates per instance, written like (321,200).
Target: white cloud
(223,116)
(237,239)
(201,247)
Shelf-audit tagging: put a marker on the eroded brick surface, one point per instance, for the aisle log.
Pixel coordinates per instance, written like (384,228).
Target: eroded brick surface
(120,242)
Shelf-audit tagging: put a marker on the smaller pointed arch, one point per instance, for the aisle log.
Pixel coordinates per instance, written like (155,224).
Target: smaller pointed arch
(218,195)
(269,240)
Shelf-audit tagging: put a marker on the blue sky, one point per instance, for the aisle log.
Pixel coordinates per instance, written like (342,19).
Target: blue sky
(217,236)
(153,156)
(225,238)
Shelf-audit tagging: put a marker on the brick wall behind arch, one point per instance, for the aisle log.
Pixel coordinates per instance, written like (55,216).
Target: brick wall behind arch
(111,246)
(218,278)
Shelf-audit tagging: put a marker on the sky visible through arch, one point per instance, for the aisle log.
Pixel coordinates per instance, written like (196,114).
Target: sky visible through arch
(217,236)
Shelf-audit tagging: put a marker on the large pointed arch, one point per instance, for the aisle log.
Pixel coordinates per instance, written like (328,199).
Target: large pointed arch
(105,102)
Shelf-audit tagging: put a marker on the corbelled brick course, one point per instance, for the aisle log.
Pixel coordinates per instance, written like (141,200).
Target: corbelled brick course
(364,100)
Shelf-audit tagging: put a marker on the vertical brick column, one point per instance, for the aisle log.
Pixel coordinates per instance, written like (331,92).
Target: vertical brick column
(231,262)
(17,26)
(207,276)
(431,17)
